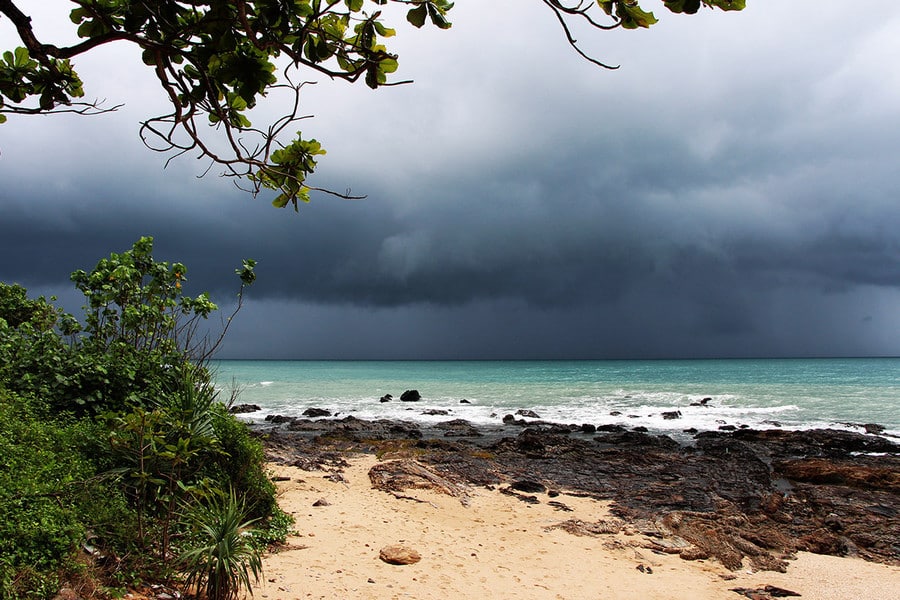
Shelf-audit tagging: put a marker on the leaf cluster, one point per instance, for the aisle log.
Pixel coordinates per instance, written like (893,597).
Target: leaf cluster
(214,61)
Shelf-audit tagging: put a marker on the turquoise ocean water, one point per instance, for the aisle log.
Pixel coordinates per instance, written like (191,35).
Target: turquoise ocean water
(791,393)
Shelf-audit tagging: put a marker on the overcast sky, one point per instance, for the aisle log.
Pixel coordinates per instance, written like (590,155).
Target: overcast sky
(732,190)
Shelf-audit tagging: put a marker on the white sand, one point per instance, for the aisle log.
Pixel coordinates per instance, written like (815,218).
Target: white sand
(499,547)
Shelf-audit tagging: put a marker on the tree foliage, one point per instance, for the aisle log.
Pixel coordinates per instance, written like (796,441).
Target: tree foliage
(216,59)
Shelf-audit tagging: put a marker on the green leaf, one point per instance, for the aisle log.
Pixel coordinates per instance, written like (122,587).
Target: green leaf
(727,4)
(633,16)
(23,60)
(437,17)
(417,15)
(683,6)
(384,31)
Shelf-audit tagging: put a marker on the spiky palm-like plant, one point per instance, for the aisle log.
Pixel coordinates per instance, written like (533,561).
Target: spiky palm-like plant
(224,557)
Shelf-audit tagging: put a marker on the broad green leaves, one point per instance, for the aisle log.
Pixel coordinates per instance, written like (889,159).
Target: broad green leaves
(630,15)
(290,167)
(692,6)
(22,77)
(627,13)
(436,11)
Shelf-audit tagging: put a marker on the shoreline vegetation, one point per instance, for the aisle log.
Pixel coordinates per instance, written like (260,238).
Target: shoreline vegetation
(627,514)
(119,463)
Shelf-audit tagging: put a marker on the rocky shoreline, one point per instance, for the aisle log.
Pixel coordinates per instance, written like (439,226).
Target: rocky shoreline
(743,497)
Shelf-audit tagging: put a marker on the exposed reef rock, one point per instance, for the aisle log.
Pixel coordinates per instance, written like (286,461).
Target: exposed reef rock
(741,497)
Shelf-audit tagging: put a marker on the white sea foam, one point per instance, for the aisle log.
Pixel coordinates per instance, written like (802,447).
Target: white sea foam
(758,394)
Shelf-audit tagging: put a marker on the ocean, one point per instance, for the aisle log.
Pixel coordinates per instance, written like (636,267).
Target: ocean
(758,393)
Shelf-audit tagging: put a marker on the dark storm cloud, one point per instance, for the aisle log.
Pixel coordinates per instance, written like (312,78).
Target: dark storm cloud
(727,192)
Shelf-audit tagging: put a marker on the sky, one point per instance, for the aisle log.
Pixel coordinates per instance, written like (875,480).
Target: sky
(731,190)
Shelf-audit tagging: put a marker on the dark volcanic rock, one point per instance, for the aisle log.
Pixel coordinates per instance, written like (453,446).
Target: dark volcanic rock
(528,486)
(386,398)
(239,409)
(410,396)
(672,414)
(458,428)
(435,412)
(511,420)
(742,497)
(610,428)
(278,419)
(524,412)
(316,412)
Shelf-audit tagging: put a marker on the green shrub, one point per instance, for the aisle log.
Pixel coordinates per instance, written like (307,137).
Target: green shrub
(223,557)
(241,465)
(48,497)
(106,432)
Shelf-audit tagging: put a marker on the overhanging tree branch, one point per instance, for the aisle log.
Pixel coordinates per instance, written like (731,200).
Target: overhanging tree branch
(216,59)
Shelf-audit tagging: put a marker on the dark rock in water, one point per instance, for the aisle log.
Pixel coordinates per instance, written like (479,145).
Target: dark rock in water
(690,430)
(410,396)
(873,428)
(239,409)
(278,419)
(523,412)
(386,398)
(557,428)
(464,401)
(727,428)
(435,411)
(610,428)
(588,428)
(640,429)
(528,486)
(671,414)
(511,420)
(313,413)
(615,413)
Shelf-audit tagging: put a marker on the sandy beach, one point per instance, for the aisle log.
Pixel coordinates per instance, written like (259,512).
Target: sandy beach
(497,546)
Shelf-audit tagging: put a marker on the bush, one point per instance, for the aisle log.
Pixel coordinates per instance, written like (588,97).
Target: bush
(223,556)
(107,432)
(49,498)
